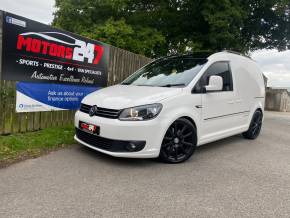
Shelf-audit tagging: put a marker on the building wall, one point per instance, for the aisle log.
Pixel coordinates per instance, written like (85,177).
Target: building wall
(277,100)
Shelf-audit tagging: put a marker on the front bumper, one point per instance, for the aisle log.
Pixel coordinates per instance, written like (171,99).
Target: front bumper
(109,144)
(151,132)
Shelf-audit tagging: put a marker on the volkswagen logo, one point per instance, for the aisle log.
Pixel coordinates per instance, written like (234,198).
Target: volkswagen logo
(93,110)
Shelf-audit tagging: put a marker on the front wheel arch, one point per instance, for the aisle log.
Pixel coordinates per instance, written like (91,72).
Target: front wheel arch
(187,117)
(259,109)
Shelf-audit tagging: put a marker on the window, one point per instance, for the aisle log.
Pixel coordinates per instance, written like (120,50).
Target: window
(219,69)
(168,72)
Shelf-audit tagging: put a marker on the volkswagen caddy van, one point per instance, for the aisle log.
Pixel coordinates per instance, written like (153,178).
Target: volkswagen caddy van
(174,104)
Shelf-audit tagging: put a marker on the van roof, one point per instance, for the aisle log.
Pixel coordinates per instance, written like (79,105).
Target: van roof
(199,55)
(205,54)
(237,53)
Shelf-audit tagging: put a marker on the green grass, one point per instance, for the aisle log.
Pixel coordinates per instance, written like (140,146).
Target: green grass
(28,145)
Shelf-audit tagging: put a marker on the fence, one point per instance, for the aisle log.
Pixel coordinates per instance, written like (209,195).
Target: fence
(121,64)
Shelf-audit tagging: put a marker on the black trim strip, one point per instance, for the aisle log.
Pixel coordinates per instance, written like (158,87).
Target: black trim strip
(226,115)
(109,144)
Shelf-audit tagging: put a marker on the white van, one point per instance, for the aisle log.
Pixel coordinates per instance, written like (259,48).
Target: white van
(174,104)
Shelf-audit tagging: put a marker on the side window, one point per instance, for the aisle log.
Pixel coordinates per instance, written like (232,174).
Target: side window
(220,69)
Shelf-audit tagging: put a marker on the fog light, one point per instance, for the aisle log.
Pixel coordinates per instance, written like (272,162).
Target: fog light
(131,146)
(134,146)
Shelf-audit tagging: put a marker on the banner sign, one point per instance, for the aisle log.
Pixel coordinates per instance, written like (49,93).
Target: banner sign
(37,52)
(32,97)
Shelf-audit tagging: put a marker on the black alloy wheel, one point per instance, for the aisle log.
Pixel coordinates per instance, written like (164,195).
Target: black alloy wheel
(255,126)
(179,142)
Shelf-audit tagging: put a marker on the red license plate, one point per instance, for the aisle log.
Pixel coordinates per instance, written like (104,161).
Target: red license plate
(91,128)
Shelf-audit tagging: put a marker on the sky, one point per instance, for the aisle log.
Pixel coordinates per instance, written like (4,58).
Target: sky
(39,10)
(274,64)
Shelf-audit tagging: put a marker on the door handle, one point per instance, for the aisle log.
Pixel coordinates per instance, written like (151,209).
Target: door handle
(231,102)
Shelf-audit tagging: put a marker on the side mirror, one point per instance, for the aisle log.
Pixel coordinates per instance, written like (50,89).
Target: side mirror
(215,84)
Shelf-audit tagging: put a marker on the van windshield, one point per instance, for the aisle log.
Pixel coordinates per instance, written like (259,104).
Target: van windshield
(168,72)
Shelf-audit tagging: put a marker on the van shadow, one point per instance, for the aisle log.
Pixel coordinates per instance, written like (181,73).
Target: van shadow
(100,157)
(216,146)
(220,144)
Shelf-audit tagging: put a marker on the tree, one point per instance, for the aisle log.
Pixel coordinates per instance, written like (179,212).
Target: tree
(160,27)
(267,24)
(103,20)
(139,39)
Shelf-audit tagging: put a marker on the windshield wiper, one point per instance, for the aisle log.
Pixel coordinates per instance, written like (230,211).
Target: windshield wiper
(170,85)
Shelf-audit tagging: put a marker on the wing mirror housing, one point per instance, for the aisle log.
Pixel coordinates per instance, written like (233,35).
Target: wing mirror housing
(215,84)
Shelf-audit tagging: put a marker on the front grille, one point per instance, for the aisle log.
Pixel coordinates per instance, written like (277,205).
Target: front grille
(101,112)
(94,140)
(108,144)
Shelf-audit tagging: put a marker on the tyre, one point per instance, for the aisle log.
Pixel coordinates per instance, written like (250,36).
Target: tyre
(255,126)
(179,142)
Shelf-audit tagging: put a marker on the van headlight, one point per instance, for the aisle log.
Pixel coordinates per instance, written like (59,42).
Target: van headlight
(144,112)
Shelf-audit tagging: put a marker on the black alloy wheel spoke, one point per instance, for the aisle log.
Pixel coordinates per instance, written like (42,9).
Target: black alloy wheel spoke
(171,151)
(182,149)
(187,135)
(167,145)
(167,138)
(176,154)
(187,143)
(175,128)
(254,131)
(183,129)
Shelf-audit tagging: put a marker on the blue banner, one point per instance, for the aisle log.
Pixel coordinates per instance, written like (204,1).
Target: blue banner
(32,97)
